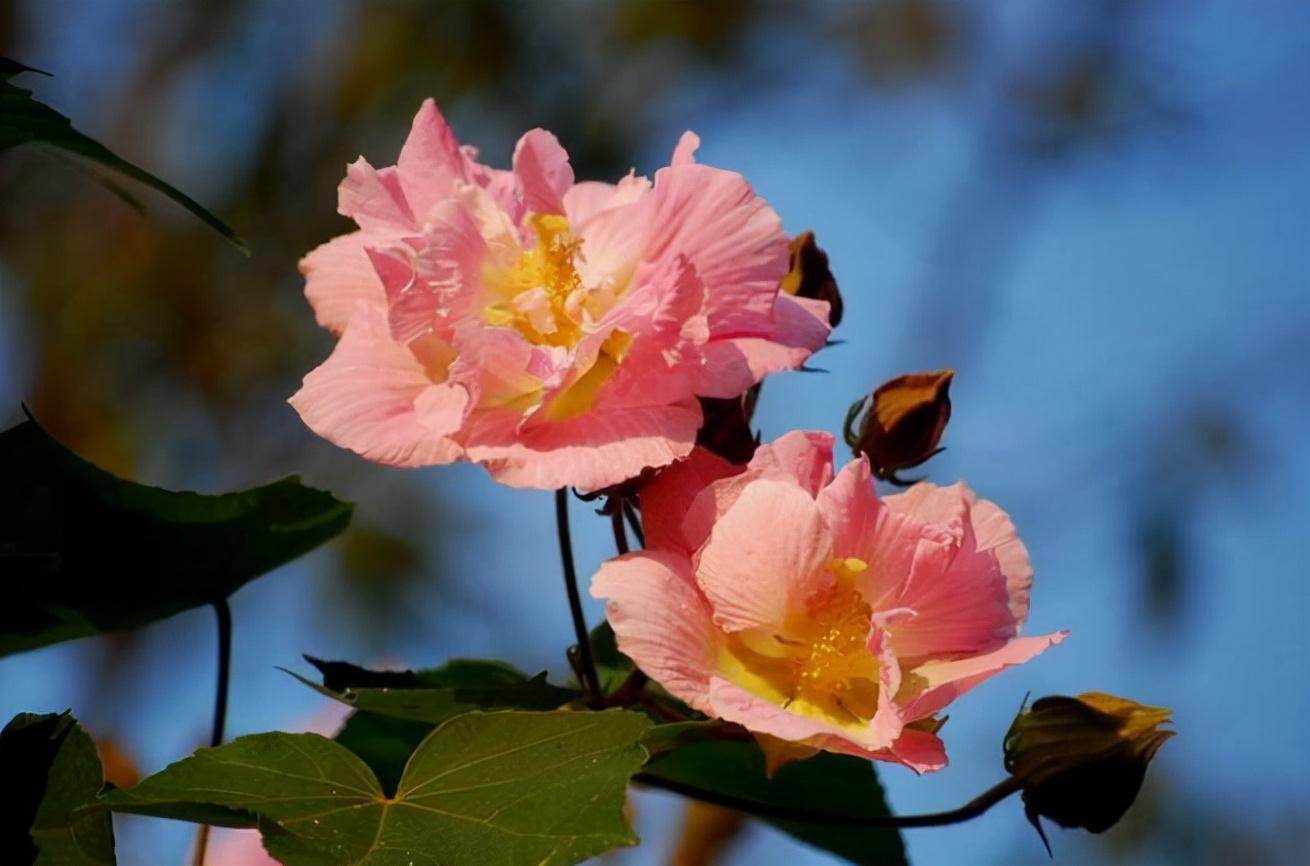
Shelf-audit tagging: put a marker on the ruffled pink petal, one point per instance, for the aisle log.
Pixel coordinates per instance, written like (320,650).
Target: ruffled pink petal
(921,751)
(712,503)
(615,237)
(374,199)
(666,499)
(685,152)
(660,620)
(731,236)
(589,452)
(436,279)
(338,275)
(363,398)
(735,363)
(993,531)
(765,557)
(805,455)
(958,591)
(851,507)
(543,171)
(431,161)
(944,681)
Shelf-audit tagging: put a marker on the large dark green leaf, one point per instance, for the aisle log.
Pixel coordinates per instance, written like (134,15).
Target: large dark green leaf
(23,120)
(83,552)
(50,770)
(840,783)
(483,789)
(437,694)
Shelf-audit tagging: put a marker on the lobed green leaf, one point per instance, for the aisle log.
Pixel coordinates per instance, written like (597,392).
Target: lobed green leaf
(483,789)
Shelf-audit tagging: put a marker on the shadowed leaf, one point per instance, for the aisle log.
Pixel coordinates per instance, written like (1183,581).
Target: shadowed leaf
(24,120)
(437,694)
(83,552)
(827,781)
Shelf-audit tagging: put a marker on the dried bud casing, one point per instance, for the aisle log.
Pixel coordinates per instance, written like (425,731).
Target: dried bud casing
(1081,760)
(903,422)
(810,277)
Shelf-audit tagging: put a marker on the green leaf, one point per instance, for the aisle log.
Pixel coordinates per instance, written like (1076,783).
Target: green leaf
(23,120)
(83,552)
(612,666)
(838,782)
(51,769)
(483,789)
(435,695)
(384,743)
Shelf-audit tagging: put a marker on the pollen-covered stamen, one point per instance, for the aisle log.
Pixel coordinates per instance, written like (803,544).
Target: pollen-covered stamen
(835,670)
(541,293)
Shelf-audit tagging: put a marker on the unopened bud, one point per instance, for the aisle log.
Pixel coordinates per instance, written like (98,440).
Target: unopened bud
(903,422)
(1081,760)
(809,276)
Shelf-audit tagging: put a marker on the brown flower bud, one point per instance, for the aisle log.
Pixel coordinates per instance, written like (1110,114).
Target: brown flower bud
(810,277)
(1081,760)
(903,421)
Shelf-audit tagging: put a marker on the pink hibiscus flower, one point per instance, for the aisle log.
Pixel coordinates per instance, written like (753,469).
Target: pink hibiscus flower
(808,610)
(558,333)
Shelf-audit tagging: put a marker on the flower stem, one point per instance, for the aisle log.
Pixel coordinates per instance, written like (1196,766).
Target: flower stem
(224,615)
(969,810)
(586,662)
(635,522)
(620,535)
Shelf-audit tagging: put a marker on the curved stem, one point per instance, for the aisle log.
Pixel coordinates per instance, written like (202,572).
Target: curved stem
(224,615)
(586,662)
(969,810)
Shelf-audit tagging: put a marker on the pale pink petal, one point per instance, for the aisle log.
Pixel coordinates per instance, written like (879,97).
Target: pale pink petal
(712,503)
(660,620)
(588,452)
(614,238)
(944,681)
(735,363)
(431,162)
(731,236)
(363,397)
(585,199)
(805,455)
(338,275)
(374,199)
(666,499)
(543,171)
(994,531)
(959,592)
(685,152)
(732,703)
(851,508)
(765,557)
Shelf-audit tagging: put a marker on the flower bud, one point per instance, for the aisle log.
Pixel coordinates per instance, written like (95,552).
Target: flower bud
(809,276)
(903,421)
(1081,761)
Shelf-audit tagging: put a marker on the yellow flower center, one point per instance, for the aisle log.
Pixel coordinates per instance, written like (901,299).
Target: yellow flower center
(818,663)
(541,295)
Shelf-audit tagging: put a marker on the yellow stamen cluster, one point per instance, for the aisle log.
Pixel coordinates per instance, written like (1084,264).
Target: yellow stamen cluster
(837,671)
(547,267)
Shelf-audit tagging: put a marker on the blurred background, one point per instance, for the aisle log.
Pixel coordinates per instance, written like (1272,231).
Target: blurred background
(1097,214)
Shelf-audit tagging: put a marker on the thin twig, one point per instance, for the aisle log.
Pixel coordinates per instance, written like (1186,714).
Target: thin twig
(586,661)
(616,521)
(630,511)
(224,615)
(972,809)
